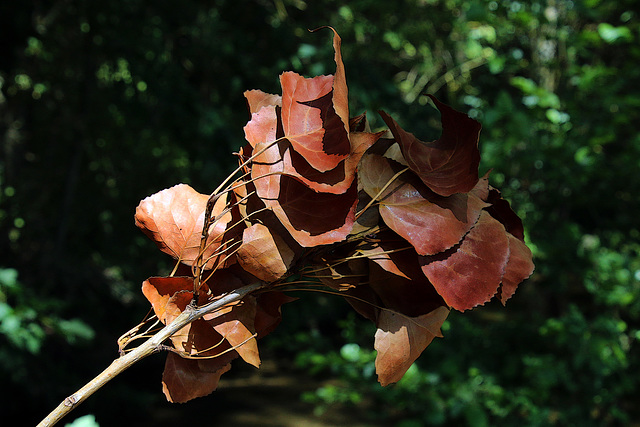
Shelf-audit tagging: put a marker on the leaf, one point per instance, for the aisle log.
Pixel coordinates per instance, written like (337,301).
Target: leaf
(429,222)
(519,267)
(310,122)
(450,164)
(313,218)
(160,291)
(256,99)
(336,180)
(237,328)
(263,254)
(185,379)
(399,341)
(173,219)
(501,210)
(269,311)
(469,274)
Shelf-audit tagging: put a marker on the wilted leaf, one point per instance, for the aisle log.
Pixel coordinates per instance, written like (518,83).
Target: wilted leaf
(184,379)
(237,328)
(263,254)
(173,219)
(400,339)
(269,311)
(519,267)
(430,222)
(314,218)
(469,274)
(450,164)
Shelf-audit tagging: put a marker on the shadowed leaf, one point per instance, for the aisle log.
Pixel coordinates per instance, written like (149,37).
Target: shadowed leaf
(469,274)
(450,164)
(184,379)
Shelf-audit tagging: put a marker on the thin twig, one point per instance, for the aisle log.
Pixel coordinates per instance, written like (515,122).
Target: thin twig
(150,346)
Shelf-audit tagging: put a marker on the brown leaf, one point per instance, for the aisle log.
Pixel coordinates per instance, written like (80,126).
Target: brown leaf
(173,219)
(184,379)
(310,122)
(400,339)
(450,164)
(469,274)
(160,291)
(519,267)
(429,222)
(237,328)
(269,311)
(314,218)
(263,254)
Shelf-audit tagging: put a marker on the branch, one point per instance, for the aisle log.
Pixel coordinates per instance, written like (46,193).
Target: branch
(150,346)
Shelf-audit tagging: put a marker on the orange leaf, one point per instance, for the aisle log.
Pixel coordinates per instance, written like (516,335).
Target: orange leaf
(173,219)
(263,254)
(400,339)
(256,99)
(237,328)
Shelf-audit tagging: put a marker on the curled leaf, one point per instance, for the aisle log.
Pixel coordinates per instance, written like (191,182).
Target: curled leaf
(400,339)
(450,164)
(173,219)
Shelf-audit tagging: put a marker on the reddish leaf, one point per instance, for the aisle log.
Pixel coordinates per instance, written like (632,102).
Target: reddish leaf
(501,210)
(237,328)
(414,296)
(173,219)
(310,122)
(160,291)
(312,218)
(519,267)
(184,379)
(256,99)
(450,164)
(400,339)
(263,254)
(430,222)
(336,180)
(469,274)
(269,311)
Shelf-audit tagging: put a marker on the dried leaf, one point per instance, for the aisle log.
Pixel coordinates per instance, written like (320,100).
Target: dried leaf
(310,122)
(430,222)
(184,379)
(173,219)
(469,274)
(256,99)
(519,267)
(450,164)
(237,328)
(400,339)
(263,254)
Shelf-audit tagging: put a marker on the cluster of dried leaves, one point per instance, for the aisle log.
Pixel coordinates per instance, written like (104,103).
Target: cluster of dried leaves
(403,229)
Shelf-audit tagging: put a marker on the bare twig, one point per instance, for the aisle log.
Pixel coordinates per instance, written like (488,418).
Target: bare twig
(150,346)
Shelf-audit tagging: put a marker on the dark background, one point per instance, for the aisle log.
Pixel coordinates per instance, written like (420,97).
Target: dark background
(104,103)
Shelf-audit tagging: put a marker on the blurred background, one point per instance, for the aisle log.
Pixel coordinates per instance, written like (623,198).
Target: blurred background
(104,103)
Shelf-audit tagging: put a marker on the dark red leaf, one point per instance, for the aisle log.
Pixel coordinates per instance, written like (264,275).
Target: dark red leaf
(185,379)
(469,274)
(450,164)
